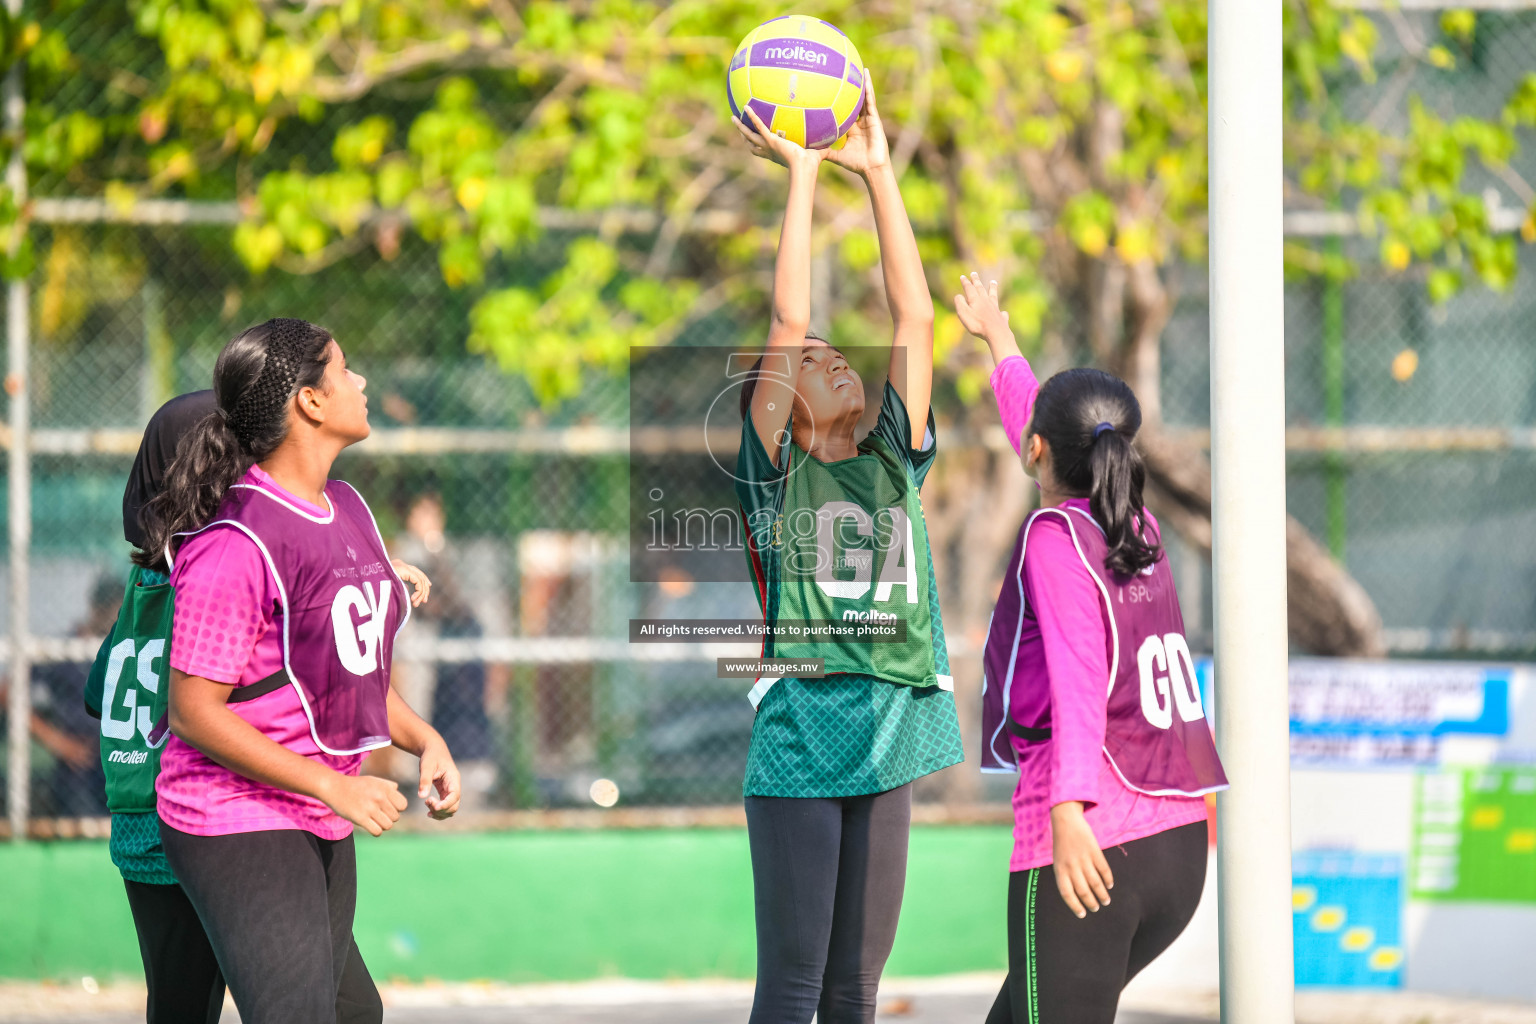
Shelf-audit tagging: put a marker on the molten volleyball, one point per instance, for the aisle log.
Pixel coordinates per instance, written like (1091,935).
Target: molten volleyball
(802,76)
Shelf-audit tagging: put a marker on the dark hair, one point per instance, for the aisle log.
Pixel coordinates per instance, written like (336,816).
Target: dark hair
(1089,418)
(750,387)
(255,378)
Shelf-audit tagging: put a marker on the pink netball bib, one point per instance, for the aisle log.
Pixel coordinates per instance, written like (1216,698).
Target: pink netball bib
(1156,734)
(342,605)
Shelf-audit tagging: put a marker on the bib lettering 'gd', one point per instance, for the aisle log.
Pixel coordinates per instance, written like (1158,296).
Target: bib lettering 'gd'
(1156,734)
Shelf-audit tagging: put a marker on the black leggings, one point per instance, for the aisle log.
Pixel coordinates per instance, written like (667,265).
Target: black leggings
(182,974)
(276,908)
(180,970)
(828,876)
(1066,970)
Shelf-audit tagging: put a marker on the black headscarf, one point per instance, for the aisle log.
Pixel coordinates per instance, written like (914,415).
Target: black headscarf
(166,427)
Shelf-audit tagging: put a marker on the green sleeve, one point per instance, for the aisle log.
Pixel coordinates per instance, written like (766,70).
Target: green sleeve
(94,683)
(894,427)
(759,483)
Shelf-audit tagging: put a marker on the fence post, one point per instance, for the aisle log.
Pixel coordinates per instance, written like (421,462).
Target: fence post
(1248,511)
(1334,467)
(17,386)
(158,384)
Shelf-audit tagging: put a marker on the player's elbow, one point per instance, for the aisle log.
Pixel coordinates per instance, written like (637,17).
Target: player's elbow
(178,720)
(914,328)
(184,717)
(913,308)
(786,326)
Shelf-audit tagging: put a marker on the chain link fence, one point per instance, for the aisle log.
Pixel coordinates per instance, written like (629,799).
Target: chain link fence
(1413,456)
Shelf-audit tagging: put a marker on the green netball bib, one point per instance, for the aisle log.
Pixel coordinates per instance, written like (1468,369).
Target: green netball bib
(129,685)
(853,547)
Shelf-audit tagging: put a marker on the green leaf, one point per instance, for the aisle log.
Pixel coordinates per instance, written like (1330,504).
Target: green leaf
(859,250)
(257,245)
(362,144)
(1088,218)
(1443,283)
(395,182)
(461,263)
(1459,24)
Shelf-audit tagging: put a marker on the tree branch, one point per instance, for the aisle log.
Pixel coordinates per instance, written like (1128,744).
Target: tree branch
(1328,611)
(1151,308)
(688,200)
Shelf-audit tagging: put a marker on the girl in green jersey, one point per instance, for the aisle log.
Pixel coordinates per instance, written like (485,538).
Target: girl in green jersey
(835,533)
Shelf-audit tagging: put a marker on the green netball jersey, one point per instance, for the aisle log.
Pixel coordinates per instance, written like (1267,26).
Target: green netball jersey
(845,541)
(127,690)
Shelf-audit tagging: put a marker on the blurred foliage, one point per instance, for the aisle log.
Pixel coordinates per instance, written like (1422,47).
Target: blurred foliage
(1047,142)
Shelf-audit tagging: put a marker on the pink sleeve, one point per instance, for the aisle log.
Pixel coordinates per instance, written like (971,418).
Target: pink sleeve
(1014,384)
(225,600)
(1069,608)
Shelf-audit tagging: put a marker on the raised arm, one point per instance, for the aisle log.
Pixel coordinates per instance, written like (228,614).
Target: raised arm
(1013,381)
(791,316)
(906,289)
(982,315)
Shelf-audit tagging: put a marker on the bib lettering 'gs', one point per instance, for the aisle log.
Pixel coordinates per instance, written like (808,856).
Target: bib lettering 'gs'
(1156,734)
(342,604)
(128,686)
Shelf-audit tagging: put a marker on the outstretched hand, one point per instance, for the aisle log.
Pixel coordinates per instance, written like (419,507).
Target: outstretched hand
(777,148)
(978,309)
(864,148)
(979,312)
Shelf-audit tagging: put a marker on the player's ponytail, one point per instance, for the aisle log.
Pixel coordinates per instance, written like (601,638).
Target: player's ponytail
(1089,418)
(254,381)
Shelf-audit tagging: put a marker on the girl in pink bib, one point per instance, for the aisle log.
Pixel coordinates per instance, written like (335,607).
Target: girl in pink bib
(287,605)
(1089,693)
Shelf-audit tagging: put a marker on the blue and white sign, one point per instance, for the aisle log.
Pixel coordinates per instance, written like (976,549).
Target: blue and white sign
(1384,712)
(1330,697)
(1387,712)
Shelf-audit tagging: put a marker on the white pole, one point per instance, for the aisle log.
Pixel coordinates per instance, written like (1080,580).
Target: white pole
(1248,512)
(19,465)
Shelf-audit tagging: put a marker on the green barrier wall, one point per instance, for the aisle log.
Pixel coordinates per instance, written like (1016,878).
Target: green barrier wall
(527,907)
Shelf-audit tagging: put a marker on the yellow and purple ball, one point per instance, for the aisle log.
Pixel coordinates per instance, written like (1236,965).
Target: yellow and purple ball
(802,76)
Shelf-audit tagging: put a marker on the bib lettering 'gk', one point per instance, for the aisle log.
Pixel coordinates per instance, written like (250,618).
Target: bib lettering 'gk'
(358,639)
(341,607)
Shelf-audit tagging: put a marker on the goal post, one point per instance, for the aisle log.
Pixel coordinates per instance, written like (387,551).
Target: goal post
(1248,510)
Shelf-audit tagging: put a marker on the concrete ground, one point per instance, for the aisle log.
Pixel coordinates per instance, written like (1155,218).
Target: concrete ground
(962,999)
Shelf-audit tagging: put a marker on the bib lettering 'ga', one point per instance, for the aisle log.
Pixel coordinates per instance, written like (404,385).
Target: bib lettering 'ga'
(851,546)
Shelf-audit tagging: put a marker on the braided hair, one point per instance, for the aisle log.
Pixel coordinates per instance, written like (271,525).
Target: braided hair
(254,381)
